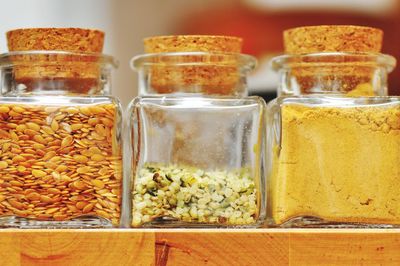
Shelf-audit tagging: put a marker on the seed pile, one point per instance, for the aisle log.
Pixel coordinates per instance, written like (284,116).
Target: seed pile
(59,162)
(189,194)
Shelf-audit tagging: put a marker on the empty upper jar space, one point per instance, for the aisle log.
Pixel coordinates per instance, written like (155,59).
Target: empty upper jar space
(333,59)
(56,61)
(194,64)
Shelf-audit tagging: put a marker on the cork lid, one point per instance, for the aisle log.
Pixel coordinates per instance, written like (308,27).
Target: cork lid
(332,38)
(214,72)
(77,65)
(193,43)
(61,39)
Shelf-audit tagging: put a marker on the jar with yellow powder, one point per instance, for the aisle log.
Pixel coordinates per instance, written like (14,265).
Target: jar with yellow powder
(196,142)
(333,139)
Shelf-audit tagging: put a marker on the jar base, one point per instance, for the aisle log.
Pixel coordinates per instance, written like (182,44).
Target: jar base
(315,222)
(167,222)
(82,222)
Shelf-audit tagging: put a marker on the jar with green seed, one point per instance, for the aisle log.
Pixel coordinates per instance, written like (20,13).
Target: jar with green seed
(195,139)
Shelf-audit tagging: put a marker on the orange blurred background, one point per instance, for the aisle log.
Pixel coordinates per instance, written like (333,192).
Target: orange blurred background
(261,25)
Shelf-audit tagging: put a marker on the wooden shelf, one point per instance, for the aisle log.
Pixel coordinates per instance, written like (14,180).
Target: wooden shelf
(200,246)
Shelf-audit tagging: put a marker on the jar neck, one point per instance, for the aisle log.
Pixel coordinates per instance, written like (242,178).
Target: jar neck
(351,74)
(55,73)
(193,73)
(54,86)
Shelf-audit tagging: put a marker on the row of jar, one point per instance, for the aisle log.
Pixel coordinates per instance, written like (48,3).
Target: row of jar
(194,150)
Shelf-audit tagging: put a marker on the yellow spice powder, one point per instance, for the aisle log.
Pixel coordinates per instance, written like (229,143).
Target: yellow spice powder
(338,164)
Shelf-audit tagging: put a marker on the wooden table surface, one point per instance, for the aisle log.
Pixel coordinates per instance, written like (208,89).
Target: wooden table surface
(200,247)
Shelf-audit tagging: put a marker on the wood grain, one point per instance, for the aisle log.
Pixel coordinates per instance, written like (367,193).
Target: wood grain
(76,247)
(227,247)
(345,247)
(200,247)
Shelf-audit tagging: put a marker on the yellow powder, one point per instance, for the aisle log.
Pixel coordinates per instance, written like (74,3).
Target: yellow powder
(363,89)
(338,164)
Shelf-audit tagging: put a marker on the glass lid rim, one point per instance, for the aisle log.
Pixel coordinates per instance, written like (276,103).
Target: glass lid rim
(6,60)
(142,60)
(284,60)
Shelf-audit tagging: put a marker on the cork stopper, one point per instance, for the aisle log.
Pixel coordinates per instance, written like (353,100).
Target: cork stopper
(200,74)
(193,43)
(336,73)
(62,39)
(332,38)
(80,72)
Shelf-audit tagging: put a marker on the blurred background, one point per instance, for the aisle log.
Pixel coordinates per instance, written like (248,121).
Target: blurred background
(259,22)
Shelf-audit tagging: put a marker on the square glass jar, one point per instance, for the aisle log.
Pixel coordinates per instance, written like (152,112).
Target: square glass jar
(197,161)
(60,141)
(332,153)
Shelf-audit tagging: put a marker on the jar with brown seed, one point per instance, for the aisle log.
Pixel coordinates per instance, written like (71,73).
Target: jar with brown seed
(60,141)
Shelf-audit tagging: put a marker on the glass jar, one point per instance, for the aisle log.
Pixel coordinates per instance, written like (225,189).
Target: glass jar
(60,139)
(333,142)
(196,150)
